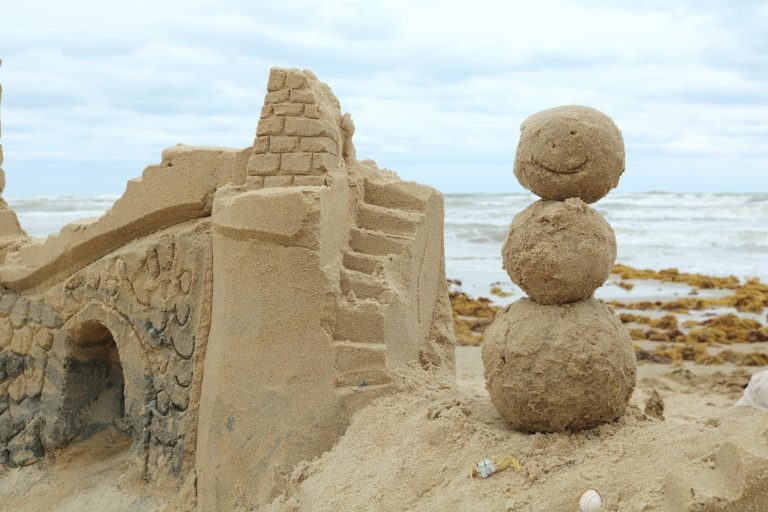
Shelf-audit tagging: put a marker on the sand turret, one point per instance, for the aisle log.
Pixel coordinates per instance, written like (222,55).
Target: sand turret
(561,360)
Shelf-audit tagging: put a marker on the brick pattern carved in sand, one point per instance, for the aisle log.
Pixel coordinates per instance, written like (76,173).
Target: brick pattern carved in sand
(298,139)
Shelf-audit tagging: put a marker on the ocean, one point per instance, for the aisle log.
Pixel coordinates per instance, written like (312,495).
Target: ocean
(718,234)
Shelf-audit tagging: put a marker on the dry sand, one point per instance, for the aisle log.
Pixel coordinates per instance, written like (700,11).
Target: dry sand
(415,451)
(93,475)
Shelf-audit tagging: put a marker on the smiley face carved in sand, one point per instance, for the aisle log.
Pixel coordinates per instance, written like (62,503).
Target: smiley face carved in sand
(569,151)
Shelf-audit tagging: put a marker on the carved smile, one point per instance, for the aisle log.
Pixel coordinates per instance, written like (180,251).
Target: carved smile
(572,166)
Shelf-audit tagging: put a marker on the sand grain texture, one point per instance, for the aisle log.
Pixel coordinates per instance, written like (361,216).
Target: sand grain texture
(554,368)
(559,251)
(416,452)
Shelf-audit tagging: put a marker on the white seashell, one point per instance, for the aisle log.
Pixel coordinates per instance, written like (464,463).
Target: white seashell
(590,501)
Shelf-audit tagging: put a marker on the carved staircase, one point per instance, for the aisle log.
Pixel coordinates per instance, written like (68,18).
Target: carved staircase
(386,228)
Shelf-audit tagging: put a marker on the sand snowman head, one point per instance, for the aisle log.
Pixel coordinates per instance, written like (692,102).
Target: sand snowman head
(569,151)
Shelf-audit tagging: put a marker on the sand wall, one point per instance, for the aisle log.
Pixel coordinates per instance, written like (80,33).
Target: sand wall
(151,302)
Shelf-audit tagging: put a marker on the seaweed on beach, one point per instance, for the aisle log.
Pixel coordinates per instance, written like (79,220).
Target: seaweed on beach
(722,329)
(729,329)
(665,322)
(698,353)
(673,275)
(464,305)
(749,297)
(498,291)
(471,316)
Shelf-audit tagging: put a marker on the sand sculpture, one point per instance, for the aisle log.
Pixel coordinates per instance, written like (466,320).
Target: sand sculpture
(231,310)
(561,360)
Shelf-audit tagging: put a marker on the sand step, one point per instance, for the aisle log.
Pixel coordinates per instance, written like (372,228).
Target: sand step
(364,286)
(400,195)
(387,220)
(361,321)
(355,397)
(360,364)
(365,263)
(376,242)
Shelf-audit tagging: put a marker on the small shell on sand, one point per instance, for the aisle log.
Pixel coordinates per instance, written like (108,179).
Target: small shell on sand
(590,501)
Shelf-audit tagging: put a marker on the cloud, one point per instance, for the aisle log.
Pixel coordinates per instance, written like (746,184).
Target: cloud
(437,89)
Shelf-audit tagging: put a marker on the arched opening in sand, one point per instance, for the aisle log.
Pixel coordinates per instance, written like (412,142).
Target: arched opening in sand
(95,379)
(95,391)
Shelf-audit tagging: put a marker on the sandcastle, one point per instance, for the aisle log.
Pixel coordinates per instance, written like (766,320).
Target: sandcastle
(561,360)
(231,310)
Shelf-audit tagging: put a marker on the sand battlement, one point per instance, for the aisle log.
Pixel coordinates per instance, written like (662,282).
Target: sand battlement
(231,310)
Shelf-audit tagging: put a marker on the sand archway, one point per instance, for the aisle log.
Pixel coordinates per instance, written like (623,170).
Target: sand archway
(97,379)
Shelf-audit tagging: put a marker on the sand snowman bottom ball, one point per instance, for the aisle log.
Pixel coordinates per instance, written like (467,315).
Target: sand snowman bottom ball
(555,368)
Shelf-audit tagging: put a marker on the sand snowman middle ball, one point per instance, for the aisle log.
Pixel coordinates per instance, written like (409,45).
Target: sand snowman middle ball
(559,251)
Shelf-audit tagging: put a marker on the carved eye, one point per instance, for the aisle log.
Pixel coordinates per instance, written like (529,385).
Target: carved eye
(573,132)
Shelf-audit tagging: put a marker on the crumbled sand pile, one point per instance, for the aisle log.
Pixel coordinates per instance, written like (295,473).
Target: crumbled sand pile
(416,452)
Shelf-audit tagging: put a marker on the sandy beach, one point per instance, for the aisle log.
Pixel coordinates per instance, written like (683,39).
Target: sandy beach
(680,436)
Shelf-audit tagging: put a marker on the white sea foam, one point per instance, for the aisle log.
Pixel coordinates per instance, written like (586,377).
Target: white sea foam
(718,234)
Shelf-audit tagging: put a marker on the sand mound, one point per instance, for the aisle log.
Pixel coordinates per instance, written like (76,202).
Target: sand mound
(415,452)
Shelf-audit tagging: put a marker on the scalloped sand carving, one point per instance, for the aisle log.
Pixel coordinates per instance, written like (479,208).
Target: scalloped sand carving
(229,312)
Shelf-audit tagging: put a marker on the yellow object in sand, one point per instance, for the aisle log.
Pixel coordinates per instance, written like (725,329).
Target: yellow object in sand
(487,467)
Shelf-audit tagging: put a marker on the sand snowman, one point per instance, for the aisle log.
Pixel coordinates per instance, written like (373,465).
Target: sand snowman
(560,359)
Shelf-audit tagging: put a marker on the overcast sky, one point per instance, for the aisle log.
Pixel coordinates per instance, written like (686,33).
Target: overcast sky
(94,90)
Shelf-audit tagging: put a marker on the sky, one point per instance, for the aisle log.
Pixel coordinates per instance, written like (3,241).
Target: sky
(94,90)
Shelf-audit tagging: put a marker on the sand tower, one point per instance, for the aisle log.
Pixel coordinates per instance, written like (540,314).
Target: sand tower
(560,359)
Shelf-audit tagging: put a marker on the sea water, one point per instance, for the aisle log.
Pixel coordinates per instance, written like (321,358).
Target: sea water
(718,234)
